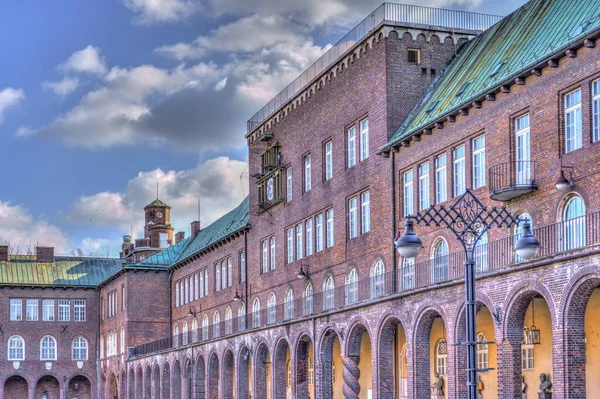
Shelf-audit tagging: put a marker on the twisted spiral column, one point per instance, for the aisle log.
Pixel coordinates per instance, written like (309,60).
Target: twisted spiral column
(351,374)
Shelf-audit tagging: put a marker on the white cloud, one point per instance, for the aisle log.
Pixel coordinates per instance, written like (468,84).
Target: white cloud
(9,97)
(215,182)
(62,87)
(161,11)
(221,84)
(19,229)
(87,60)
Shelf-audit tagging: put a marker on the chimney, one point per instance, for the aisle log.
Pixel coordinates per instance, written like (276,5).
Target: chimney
(3,253)
(195,228)
(44,254)
(180,236)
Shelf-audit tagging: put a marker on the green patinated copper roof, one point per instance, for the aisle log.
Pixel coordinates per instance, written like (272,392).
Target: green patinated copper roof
(237,219)
(516,44)
(157,202)
(64,271)
(166,257)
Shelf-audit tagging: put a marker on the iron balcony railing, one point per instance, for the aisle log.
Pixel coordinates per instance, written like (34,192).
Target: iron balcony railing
(555,239)
(512,176)
(393,13)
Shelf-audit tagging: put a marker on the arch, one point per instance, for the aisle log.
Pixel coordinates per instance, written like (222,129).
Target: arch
(304,368)
(79,348)
(256,313)
(242,317)
(439,260)
(216,324)
(166,381)
(175,335)
(228,321)
(156,381)
(377,276)
(184,333)
(421,350)
(228,375)
(328,292)
(113,386)
(200,382)
(358,360)
(148,382)
(573,234)
(261,371)
(131,383)
(139,383)
(329,374)
(48,348)
(176,379)
(205,328)
(47,386)
(281,356)
(195,330)
(351,286)
(272,308)
(213,376)
(244,375)
(16,348)
(307,299)
(289,304)
(392,337)
(16,387)
(187,380)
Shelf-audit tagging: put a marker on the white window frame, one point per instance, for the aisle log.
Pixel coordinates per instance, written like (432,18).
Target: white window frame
(32,310)
(377,279)
(48,348)
(265,255)
(223,275)
(408,193)
(573,121)
(205,327)
(242,317)
(307,173)
(309,237)
(574,223)
(441,361)
(16,353)
(308,299)
(206,282)
(364,139)
(478,161)
(16,309)
(352,217)
(352,286)
(299,241)
(328,160)
(319,232)
(290,245)
(289,184)
(458,159)
(330,228)
(272,308)
(202,294)
(177,303)
(596,110)
(256,313)
(216,324)
(365,214)
(441,179)
(79,351)
(523,149)
(424,201)
(482,352)
(196,287)
(481,253)
(242,258)
(289,305)
(79,310)
(195,330)
(351,144)
(48,310)
(408,273)
(440,261)
(217,277)
(228,321)
(272,248)
(329,292)
(527,357)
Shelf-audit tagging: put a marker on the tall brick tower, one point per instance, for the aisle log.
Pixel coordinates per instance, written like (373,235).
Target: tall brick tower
(157,227)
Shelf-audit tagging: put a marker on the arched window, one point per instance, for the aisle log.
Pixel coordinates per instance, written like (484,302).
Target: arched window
(256,313)
(519,232)
(242,317)
(439,261)
(184,333)
(48,348)
(195,330)
(441,356)
(228,321)
(377,279)
(573,223)
(175,336)
(328,292)
(122,339)
(408,273)
(308,299)
(481,253)
(205,328)
(216,324)
(16,348)
(352,287)
(482,352)
(289,304)
(271,304)
(80,348)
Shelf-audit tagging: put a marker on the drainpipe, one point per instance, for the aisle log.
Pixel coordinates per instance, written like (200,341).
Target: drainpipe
(393,183)
(246,279)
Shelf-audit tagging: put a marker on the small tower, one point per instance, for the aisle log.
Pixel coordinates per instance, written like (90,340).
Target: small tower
(157,227)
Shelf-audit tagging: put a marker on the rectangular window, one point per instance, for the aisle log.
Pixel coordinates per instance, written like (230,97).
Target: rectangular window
(272,254)
(479,162)
(205,282)
(299,247)
(351,147)
(319,232)
(364,139)
(365,212)
(202,284)
(573,139)
(64,310)
(196,287)
(330,228)
(408,193)
(123,297)
(328,160)
(596,111)
(307,174)
(163,240)
(288,183)
(527,357)
(16,309)
(229,273)
(414,56)
(242,266)
(265,256)
(290,245)
(424,186)
(459,170)
(79,310)
(177,294)
(32,310)
(186,291)
(441,190)
(217,277)
(309,237)
(352,217)
(48,310)
(223,275)
(522,150)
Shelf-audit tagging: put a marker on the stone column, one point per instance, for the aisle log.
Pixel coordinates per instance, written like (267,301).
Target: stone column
(351,374)
(509,369)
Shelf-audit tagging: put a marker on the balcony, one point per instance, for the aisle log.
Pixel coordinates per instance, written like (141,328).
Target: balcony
(512,179)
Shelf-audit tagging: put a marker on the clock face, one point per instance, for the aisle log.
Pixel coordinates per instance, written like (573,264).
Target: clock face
(270,189)
(159,214)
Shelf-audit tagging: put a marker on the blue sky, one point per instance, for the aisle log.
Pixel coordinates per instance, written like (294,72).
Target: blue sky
(100,100)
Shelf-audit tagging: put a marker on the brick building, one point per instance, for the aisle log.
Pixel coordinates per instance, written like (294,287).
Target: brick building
(299,291)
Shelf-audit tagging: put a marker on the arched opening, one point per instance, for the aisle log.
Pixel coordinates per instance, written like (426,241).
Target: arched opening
(16,387)
(244,370)
(351,286)
(573,220)
(131,384)
(113,387)
(487,354)
(156,382)
(188,376)
(123,383)
(148,382)
(282,361)
(262,372)
(392,368)
(166,381)
(305,369)
(527,347)
(430,355)
(358,370)
(200,380)
(176,379)
(79,387)
(48,386)
(213,376)
(331,366)
(139,384)
(228,373)
(439,261)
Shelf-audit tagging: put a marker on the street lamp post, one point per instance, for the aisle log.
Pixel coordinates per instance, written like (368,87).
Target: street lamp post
(469,220)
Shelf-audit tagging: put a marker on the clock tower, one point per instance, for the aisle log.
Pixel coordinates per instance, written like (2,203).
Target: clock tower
(157,227)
